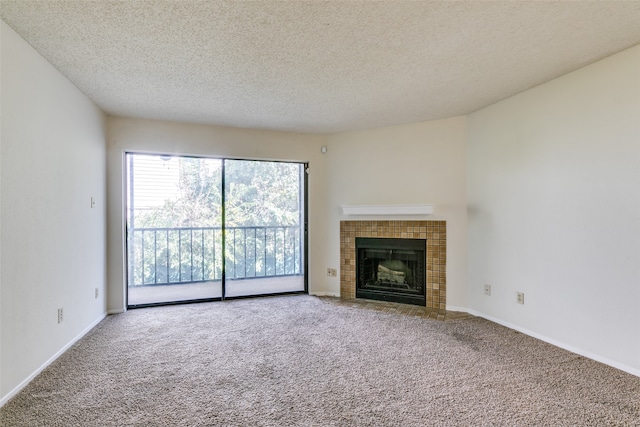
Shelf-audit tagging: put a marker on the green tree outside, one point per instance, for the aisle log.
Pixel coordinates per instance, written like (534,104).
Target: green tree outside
(258,194)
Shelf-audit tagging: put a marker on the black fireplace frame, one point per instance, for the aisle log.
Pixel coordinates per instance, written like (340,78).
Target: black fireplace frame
(396,295)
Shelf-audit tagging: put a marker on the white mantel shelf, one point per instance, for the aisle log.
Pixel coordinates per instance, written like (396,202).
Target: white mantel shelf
(350,210)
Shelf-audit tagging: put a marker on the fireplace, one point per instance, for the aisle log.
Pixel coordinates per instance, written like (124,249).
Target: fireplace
(391,269)
(435,234)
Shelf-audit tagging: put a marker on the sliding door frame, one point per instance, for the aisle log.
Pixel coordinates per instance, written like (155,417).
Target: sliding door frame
(304,222)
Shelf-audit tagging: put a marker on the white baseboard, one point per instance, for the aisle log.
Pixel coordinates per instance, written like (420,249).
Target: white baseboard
(454,308)
(24,383)
(324,294)
(551,341)
(116,311)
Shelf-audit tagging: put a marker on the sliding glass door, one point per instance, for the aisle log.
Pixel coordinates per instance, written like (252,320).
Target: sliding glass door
(174,229)
(206,229)
(264,227)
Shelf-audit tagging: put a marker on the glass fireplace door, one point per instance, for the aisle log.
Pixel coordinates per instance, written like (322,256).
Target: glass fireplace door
(391,269)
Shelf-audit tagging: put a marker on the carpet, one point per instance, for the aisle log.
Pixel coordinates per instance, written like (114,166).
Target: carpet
(301,361)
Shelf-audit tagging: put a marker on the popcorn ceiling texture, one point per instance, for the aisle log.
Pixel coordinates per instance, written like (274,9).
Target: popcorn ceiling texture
(316,66)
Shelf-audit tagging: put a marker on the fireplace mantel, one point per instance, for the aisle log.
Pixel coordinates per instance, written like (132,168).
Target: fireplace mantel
(387,209)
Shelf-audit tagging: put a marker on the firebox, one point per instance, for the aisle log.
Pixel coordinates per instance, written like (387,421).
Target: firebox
(391,269)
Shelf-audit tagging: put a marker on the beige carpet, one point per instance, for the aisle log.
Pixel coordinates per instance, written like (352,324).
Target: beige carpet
(299,361)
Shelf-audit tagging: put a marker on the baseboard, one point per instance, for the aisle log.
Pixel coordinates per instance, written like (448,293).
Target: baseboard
(454,308)
(551,341)
(116,311)
(324,294)
(24,383)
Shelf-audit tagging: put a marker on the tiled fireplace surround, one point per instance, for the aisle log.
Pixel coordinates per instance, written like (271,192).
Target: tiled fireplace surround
(434,231)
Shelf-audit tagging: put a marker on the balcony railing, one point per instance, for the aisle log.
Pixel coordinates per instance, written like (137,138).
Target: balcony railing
(169,256)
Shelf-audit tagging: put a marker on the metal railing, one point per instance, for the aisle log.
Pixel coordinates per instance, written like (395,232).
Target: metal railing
(166,256)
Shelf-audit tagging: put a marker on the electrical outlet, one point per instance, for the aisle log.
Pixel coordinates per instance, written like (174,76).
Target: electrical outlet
(487,290)
(60,318)
(520,298)
(97,293)
(332,272)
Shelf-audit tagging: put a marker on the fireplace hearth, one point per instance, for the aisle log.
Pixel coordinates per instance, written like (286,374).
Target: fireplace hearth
(391,269)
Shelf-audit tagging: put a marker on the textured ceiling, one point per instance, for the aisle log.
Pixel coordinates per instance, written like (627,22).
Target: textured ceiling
(316,66)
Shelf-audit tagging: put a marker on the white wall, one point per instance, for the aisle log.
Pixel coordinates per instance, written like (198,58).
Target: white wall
(179,138)
(553,180)
(52,250)
(409,164)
